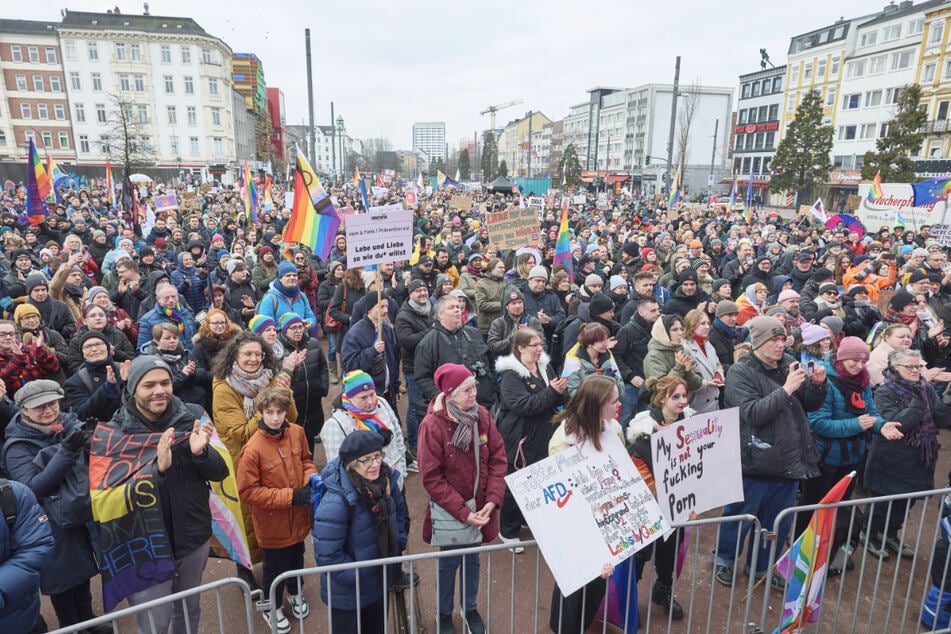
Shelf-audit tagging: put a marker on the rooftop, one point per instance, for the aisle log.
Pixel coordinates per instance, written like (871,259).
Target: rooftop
(905,8)
(132,22)
(28,27)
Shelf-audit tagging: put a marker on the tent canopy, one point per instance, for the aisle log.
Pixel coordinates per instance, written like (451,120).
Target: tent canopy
(501,184)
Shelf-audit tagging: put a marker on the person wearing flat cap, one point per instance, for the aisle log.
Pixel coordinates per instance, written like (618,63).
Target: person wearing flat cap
(460,450)
(777,451)
(180,434)
(47,450)
(362,515)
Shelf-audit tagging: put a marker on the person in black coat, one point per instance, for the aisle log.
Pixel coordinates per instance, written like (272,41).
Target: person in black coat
(309,378)
(629,353)
(686,295)
(860,314)
(55,313)
(96,320)
(377,355)
(413,321)
(94,391)
(530,393)
(191,382)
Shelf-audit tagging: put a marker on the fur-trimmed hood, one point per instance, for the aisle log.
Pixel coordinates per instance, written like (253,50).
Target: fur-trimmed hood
(509,362)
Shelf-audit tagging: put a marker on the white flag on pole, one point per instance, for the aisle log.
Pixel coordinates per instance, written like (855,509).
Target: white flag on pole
(819,211)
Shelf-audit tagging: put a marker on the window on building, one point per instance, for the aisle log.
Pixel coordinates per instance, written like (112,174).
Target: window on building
(70,46)
(751,117)
(763,113)
(935,31)
(934,149)
(851,102)
(842,161)
(759,141)
(892,95)
(16,53)
(138,82)
(847,132)
(136,52)
(169,84)
(777,84)
(189,86)
(124,85)
(172,115)
(96,82)
(916,26)
(892,33)
(59,111)
(26,112)
(942,110)
(770,140)
(902,59)
(30,135)
(50,55)
(166,52)
(3,138)
(928,72)
(794,75)
(206,56)
(878,64)
(74,81)
(218,146)
(121,52)
(191,115)
(855,69)
(127,112)
(42,111)
(38,83)
(947,69)
(100,113)
(883,131)
(216,116)
(773,112)
(173,144)
(212,86)
(756,164)
(868,39)
(741,117)
(63,140)
(834,69)
(820,70)
(756,89)
(873,98)
(746,165)
(34,53)
(186,55)
(93,51)
(55,85)
(749,141)
(142,113)
(103,144)
(80,110)
(739,141)
(807,72)
(84,143)
(193,145)
(791,102)
(867,131)
(21,82)
(47,138)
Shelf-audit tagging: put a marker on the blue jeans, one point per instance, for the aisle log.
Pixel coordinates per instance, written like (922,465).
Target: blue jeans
(413,396)
(765,499)
(469,592)
(629,404)
(334,340)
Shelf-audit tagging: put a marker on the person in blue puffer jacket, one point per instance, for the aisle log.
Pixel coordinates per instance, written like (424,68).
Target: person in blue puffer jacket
(189,282)
(842,427)
(361,516)
(285,296)
(26,549)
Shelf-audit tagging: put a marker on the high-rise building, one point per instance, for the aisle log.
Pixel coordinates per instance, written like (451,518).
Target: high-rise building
(756,131)
(431,138)
(276,116)
(33,101)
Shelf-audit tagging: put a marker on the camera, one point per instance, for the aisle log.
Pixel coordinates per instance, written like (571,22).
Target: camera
(479,370)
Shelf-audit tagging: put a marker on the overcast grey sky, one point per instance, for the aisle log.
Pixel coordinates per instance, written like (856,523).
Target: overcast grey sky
(386,64)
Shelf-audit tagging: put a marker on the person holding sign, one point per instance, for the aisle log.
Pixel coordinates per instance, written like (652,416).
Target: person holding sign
(668,405)
(589,416)
(462,466)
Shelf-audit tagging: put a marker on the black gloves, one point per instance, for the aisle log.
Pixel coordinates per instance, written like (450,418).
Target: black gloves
(301,496)
(74,440)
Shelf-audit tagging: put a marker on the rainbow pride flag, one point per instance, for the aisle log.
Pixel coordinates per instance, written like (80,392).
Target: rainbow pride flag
(356,177)
(674,192)
(804,564)
(314,221)
(563,245)
(38,188)
(250,196)
(57,175)
(110,187)
(875,191)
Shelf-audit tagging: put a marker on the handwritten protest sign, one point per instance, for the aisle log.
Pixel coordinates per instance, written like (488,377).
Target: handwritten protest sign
(587,508)
(515,227)
(463,203)
(536,201)
(385,234)
(379,192)
(941,233)
(697,464)
(579,199)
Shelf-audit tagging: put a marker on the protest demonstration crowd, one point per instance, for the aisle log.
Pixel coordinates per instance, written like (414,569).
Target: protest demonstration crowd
(154,360)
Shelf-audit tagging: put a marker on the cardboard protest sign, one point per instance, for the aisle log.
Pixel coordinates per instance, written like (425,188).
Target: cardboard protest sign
(579,199)
(515,227)
(410,197)
(536,201)
(587,508)
(697,464)
(384,234)
(941,233)
(463,203)
(166,203)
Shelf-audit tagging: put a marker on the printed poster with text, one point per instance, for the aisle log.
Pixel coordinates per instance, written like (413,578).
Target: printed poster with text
(587,508)
(697,464)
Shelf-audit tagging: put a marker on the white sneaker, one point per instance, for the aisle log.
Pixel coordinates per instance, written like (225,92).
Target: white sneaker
(283,625)
(518,550)
(299,607)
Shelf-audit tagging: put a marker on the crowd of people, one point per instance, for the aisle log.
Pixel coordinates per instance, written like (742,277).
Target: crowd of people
(832,344)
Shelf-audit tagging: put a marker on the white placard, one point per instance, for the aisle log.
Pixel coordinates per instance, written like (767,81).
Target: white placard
(587,508)
(697,464)
(385,234)
(580,199)
(941,233)
(379,192)
(536,201)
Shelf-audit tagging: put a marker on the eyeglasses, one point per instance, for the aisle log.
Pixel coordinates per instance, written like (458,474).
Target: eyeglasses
(369,461)
(6,335)
(913,367)
(534,345)
(93,346)
(217,323)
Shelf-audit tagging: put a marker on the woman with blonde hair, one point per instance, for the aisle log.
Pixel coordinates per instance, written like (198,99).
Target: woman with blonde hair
(706,362)
(212,336)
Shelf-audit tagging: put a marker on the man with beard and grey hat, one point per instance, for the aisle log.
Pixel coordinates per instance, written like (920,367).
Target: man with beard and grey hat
(180,434)
(513,318)
(773,393)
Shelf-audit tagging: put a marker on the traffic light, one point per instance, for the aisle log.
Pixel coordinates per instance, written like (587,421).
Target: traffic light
(647,161)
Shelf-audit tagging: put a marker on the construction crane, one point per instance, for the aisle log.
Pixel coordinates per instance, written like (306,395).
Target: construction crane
(491,110)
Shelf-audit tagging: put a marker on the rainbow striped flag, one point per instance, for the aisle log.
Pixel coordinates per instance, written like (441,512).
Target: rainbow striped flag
(563,245)
(250,196)
(110,186)
(876,191)
(804,564)
(442,179)
(356,176)
(674,192)
(38,188)
(314,220)
(56,175)
(268,204)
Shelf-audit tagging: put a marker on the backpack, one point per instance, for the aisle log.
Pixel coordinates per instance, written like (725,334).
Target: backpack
(557,352)
(8,503)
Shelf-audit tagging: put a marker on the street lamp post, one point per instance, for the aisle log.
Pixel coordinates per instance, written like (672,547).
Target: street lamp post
(673,124)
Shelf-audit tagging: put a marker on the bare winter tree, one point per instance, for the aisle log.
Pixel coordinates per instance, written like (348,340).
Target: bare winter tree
(373,150)
(127,137)
(686,113)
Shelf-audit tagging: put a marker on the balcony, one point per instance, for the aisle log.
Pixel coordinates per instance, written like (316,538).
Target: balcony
(936,126)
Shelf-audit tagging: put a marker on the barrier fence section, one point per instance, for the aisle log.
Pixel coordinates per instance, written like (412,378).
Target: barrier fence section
(143,613)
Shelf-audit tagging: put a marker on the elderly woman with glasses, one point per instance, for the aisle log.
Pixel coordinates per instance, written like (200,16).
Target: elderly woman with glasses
(906,464)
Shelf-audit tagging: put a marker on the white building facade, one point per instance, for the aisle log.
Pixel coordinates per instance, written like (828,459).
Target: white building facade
(431,138)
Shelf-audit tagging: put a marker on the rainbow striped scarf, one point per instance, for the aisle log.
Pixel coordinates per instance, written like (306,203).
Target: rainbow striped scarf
(176,316)
(369,420)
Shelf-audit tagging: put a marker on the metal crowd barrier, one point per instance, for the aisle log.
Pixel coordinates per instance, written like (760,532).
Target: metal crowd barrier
(114,618)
